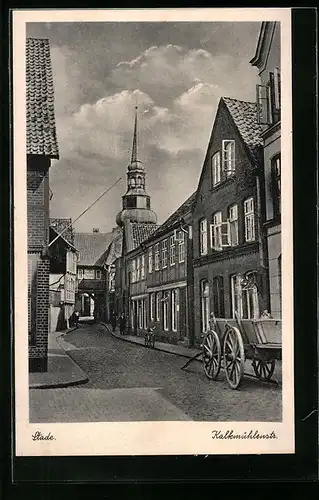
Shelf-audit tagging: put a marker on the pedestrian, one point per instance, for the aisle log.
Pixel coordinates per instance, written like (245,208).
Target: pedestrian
(122,323)
(113,321)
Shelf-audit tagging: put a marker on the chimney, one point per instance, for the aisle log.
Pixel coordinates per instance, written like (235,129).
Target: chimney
(96,230)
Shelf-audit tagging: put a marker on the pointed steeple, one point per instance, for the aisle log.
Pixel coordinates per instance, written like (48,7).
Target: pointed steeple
(134,147)
(136,202)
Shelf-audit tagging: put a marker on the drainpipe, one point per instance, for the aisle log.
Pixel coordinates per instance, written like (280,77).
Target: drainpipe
(262,236)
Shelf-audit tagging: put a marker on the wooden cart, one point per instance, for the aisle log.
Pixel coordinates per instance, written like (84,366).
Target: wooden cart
(232,341)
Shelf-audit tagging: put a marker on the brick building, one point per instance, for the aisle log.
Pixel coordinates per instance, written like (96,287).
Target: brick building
(267,60)
(41,148)
(229,250)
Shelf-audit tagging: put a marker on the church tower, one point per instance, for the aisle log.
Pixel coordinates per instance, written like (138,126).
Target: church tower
(136,203)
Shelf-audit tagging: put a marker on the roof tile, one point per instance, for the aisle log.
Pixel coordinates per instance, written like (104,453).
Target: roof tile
(141,232)
(92,247)
(244,115)
(41,127)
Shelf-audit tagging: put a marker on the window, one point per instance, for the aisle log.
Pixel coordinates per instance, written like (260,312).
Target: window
(203,237)
(249,219)
(133,270)
(140,313)
(216,168)
(204,295)
(138,269)
(181,247)
(175,308)
(218,297)
(165,310)
(80,274)
(89,274)
(156,257)
(244,296)
(276,185)
(144,314)
(150,260)
(98,274)
(268,99)
(142,267)
(157,306)
(164,254)
(229,157)
(233,225)
(152,306)
(216,233)
(172,251)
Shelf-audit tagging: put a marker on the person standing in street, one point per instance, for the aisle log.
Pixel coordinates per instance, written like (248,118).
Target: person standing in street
(113,321)
(122,323)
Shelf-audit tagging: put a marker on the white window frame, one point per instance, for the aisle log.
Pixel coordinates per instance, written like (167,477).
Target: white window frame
(203,237)
(133,270)
(98,274)
(156,257)
(174,308)
(233,223)
(80,273)
(158,306)
(229,166)
(150,260)
(181,247)
(144,314)
(165,310)
(140,314)
(172,251)
(142,267)
(89,271)
(216,169)
(244,293)
(138,269)
(164,254)
(249,219)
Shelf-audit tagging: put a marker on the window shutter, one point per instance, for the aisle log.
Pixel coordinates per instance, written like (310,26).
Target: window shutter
(262,104)
(277,88)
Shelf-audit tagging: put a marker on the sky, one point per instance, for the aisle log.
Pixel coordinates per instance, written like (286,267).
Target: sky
(175,72)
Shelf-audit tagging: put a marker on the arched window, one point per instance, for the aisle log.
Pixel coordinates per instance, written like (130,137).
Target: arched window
(205,309)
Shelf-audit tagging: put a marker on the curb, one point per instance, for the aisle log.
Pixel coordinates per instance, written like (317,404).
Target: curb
(145,347)
(70,383)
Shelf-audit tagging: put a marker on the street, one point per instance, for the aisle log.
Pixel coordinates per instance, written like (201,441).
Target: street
(130,383)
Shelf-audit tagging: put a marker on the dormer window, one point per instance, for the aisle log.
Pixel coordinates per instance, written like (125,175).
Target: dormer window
(229,157)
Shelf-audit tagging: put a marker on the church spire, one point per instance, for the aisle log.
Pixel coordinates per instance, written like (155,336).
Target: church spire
(134,147)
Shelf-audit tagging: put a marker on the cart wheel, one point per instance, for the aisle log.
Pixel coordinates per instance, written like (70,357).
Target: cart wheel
(211,355)
(234,357)
(264,369)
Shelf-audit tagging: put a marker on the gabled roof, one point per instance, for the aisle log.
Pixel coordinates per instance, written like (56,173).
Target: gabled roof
(67,243)
(140,232)
(244,115)
(176,216)
(115,248)
(41,127)
(63,224)
(92,247)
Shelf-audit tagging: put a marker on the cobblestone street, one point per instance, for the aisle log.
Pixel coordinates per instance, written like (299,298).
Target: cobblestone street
(130,383)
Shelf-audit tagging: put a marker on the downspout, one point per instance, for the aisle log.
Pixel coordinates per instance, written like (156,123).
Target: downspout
(262,236)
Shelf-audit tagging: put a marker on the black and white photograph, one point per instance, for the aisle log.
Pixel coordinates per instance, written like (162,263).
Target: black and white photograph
(153,197)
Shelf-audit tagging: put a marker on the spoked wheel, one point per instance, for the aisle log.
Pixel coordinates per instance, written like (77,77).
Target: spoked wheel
(264,369)
(211,355)
(234,357)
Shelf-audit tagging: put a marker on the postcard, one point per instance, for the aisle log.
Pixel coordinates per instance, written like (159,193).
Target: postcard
(153,247)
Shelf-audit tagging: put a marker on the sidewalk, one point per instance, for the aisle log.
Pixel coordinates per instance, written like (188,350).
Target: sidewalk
(63,371)
(186,352)
(179,350)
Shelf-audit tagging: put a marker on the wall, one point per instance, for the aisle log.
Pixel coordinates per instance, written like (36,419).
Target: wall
(38,262)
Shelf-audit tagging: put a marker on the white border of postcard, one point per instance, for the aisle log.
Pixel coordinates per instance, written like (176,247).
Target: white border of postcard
(146,438)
